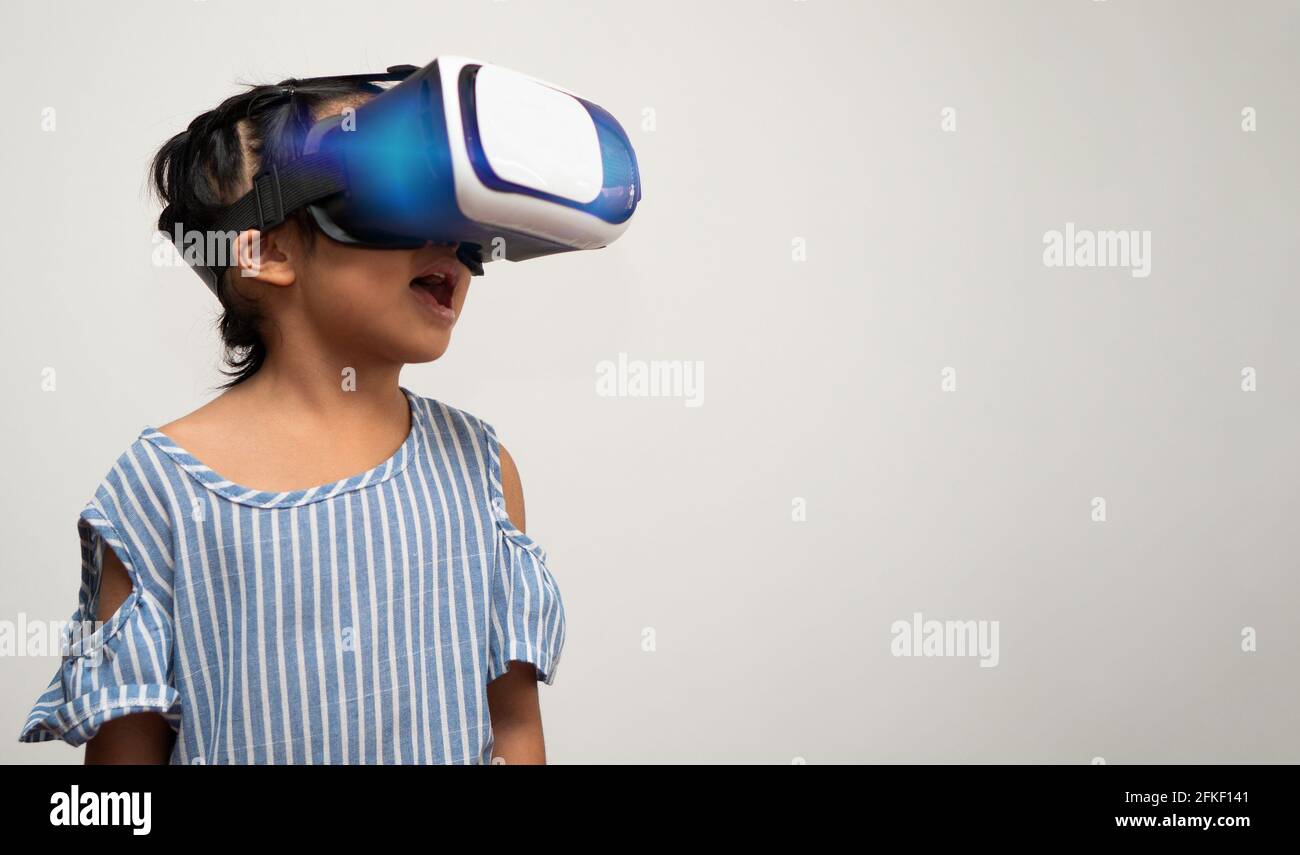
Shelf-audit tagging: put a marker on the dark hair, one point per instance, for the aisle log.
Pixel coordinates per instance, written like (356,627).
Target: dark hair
(205,167)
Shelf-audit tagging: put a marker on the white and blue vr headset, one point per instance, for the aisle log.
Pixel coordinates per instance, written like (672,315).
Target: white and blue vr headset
(459,153)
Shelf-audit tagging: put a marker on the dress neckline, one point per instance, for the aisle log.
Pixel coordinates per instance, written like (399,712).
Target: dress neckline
(377,474)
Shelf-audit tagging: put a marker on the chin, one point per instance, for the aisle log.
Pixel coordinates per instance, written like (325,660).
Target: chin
(428,350)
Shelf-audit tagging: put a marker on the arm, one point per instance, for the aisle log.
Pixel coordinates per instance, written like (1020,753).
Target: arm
(512,698)
(143,738)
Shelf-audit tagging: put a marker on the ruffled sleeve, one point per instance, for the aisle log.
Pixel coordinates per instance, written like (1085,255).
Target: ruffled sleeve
(109,669)
(527,613)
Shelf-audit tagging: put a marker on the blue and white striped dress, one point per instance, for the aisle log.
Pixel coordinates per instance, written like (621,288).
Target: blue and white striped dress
(356,622)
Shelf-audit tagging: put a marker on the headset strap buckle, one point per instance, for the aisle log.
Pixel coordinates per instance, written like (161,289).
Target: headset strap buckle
(268,199)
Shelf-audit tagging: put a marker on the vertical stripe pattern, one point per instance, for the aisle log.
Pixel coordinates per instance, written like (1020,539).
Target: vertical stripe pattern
(355,622)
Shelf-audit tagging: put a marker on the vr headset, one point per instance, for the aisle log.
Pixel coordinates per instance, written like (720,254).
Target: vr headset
(458,152)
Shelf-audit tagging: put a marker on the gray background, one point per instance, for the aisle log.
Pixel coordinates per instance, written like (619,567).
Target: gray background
(776,120)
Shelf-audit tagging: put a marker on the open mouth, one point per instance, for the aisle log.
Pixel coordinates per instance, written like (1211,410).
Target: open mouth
(437,286)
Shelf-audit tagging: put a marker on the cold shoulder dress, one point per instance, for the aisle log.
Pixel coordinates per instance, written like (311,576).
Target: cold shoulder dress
(355,622)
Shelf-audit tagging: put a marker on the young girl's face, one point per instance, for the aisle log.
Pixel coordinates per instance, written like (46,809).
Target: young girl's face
(397,305)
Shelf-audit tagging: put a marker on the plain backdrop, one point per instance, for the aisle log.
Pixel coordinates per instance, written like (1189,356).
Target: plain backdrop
(706,624)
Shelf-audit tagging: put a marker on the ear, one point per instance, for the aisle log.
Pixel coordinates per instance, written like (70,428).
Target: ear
(266,257)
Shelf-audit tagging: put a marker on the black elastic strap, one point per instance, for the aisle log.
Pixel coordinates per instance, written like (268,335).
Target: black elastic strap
(394,72)
(279,191)
(287,90)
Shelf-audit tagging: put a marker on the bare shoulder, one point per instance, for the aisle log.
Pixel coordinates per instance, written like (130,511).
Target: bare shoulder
(513,489)
(206,427)
(218,435)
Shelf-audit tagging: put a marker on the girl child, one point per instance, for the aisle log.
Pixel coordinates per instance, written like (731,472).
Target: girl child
(319,565)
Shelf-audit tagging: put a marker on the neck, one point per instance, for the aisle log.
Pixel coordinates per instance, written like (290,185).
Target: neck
(305,382)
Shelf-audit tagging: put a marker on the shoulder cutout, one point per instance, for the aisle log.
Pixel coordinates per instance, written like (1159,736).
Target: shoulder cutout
(114,587)
(513,489)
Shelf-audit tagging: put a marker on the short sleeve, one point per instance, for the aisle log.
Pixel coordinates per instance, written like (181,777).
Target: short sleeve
(527,613)
(109,669)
